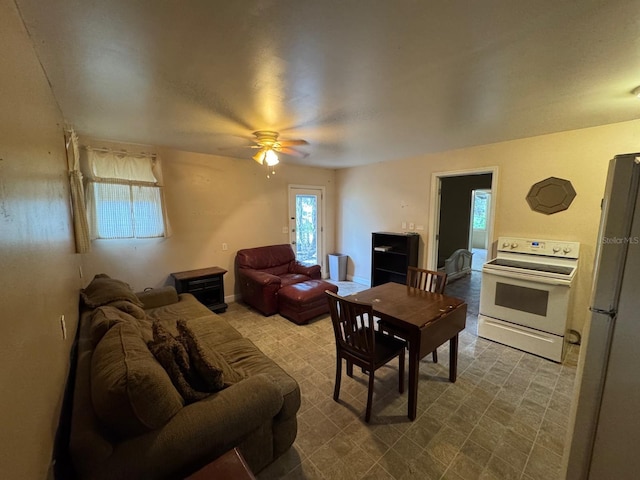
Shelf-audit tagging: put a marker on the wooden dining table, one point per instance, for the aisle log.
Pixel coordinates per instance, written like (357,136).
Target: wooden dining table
(425,320)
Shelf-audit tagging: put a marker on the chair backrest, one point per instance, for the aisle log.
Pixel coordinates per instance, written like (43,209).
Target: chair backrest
(352,324)
(426,280)
(274,259)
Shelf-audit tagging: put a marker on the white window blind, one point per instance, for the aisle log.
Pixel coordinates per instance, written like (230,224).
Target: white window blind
(124,198)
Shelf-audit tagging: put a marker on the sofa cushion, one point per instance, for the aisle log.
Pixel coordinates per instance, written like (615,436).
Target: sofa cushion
(213,330)
(130,391)
(105,317)
(158,297)
(245,358)
(128,307)
(104,289)
(292,279)
(186,307)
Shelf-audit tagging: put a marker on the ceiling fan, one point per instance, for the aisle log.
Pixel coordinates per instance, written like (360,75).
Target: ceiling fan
(269,146)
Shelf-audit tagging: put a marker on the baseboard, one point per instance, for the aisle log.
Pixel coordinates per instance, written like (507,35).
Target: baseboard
(361,280)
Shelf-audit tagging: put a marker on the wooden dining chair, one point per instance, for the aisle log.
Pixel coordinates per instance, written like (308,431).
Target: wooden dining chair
(429,281)
(359,343)
(421,279)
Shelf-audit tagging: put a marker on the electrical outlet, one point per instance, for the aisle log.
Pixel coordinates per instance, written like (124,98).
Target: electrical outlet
(412,226)
(225,247)
(420,227)
(63,327)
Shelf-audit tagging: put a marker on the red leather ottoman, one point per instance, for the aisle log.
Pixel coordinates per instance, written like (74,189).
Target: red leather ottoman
(303,301)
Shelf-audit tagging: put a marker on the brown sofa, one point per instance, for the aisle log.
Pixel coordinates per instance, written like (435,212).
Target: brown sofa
(131,420)
(262,271)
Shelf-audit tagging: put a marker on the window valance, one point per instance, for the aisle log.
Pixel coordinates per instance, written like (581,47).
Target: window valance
(110,164)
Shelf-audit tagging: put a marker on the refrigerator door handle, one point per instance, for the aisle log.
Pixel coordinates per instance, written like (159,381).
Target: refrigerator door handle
(609,313)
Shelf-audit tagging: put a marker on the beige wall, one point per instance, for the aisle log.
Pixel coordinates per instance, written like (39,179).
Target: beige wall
(210,200)
(380,197)
(39,278)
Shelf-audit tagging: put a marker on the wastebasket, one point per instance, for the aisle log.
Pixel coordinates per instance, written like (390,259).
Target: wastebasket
(337,267)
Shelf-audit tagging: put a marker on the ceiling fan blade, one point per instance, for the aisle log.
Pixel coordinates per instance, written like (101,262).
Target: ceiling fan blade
(292,152)
(239,146)
(291,143)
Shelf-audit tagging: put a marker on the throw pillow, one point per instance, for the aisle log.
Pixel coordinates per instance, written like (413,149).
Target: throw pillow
(104,289)
(212,367)
(131,393)
(174,358)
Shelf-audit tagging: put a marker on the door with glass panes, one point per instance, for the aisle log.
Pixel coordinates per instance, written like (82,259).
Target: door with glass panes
(305,214)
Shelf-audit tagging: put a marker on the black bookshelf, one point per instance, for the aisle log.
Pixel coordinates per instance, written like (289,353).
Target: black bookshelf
(391,255)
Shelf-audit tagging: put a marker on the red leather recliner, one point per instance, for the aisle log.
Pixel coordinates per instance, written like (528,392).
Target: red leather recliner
(262,271)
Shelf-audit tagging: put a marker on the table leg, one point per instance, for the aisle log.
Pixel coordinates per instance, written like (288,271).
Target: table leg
(414,370)
(453,358)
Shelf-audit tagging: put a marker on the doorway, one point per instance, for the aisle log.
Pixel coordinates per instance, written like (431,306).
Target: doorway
(452,221)
(478,238)
(437,216)
(306,223)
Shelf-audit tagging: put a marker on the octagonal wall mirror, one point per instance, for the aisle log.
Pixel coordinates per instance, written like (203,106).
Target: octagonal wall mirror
(551,195)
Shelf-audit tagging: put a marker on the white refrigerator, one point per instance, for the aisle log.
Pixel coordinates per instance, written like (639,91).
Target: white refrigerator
(604,430)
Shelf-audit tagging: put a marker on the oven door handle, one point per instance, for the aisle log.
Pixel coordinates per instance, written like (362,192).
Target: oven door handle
(526,277)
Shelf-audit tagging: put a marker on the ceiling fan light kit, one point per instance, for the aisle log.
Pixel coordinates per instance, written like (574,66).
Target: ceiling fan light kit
(266,156)
(268,148)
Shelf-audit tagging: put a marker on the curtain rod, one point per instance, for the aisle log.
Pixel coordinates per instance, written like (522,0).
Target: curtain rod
(121,152)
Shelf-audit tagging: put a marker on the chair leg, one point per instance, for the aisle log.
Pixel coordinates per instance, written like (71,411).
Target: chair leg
(336,390)
(401,372)
(349,368)
(367,416)
(434,355)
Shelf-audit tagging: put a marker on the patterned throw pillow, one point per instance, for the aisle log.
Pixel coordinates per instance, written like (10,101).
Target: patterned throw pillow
(174,358)
(206,363)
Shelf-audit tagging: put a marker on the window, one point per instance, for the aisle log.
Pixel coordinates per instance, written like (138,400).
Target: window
(124,198)
(480,203)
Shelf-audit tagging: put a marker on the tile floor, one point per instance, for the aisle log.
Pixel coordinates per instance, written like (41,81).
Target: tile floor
(504,418)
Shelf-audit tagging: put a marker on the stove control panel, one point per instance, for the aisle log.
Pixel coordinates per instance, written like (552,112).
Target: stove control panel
(549,248)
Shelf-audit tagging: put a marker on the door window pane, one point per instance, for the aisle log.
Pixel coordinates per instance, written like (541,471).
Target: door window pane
(307,229)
